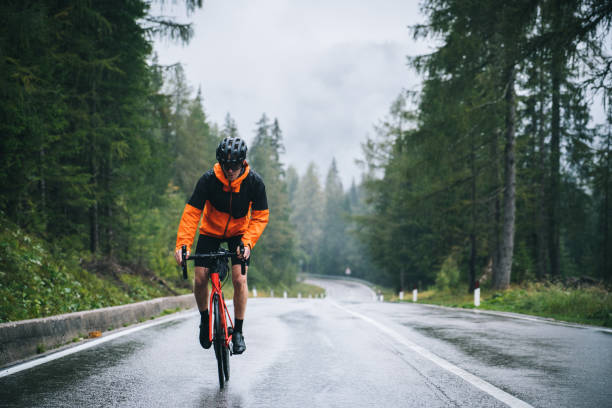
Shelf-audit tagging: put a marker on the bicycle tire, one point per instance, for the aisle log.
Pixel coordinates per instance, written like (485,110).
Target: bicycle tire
(226,351)
(218,340)
(226,364)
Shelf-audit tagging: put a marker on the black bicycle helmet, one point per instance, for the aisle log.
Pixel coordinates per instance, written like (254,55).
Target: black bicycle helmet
(234,147)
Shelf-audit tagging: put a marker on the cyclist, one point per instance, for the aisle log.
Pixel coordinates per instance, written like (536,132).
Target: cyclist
(232,198)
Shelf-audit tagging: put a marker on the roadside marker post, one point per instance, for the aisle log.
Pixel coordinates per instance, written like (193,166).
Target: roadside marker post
(477,294)
(285,295)
(401,295)
(415,294)
(254,292)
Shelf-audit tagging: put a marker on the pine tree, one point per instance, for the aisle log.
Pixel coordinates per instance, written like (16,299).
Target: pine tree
(307,216)
(275,249)
(333,239)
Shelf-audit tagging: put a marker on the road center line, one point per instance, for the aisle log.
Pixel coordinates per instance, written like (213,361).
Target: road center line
(477,382)
(93,343)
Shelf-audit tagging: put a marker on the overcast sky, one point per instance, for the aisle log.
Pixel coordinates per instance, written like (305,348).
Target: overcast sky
(328,70)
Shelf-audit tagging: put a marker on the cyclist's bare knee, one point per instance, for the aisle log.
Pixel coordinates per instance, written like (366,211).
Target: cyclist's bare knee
(238,279)
(201,276)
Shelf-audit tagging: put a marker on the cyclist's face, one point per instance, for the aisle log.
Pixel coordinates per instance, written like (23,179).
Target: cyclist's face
(231,170)
(231,174)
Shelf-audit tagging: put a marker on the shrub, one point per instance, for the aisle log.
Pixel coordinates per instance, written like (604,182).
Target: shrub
(449,275)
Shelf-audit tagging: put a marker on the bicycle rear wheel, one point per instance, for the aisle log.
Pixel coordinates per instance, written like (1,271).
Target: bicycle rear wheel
(218,340)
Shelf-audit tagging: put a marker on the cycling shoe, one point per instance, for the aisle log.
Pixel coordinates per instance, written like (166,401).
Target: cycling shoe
(204,337)
(238,341)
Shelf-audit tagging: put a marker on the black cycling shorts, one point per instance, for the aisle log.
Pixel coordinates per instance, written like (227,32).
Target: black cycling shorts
(208,244)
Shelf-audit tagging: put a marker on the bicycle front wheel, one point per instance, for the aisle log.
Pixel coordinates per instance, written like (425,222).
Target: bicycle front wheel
(218,339)
(225,354)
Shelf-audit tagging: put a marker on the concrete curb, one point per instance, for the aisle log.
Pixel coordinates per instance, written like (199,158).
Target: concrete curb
(19,340)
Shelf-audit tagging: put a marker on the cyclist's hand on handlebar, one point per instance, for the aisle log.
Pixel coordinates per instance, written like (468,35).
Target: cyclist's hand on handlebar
(178,256)
(247,253)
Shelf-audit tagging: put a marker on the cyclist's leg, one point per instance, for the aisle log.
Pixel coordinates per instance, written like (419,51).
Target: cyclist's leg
(241,291)
(205,244)
(200,289)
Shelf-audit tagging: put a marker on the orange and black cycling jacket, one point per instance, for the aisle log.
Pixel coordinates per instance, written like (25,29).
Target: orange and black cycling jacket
(230,209)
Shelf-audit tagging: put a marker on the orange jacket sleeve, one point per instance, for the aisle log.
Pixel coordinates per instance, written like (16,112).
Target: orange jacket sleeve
(188,226)
(257,224)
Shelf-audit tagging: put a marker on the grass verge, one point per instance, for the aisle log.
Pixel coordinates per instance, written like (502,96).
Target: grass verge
(586,305)
(38,279)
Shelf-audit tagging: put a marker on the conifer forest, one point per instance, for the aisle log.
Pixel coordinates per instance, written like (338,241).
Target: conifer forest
(493,171)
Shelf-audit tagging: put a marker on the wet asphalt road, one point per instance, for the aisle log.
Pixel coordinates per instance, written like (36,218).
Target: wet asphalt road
(343,351)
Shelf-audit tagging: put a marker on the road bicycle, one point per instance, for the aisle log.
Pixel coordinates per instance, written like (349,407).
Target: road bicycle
(218,315)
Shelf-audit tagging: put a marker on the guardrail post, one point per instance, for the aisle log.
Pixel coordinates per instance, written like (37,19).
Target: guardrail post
(299,295)
(254,292)
(401,295)
(477,294)
(285,295)
(415,294)
(271,292)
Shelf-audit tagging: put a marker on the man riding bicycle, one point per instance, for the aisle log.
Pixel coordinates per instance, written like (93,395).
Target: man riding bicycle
(233,200)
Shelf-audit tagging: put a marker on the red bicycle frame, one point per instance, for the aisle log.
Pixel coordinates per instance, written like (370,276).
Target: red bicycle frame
(223,312)
(216,292)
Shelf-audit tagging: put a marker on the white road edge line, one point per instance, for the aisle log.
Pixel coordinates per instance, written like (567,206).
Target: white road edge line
(477,382)
(93,343)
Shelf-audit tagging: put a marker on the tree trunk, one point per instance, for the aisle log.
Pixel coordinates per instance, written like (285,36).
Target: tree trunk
(94,235)
(43,187)
(502,279)
(494,210)
(109,231)
(109,204)
(555,156)
(607,272)
(94,228)
(541,222)
(472,277)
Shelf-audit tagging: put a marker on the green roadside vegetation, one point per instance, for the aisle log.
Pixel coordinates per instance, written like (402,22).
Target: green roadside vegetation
(587,305)
(38,279)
